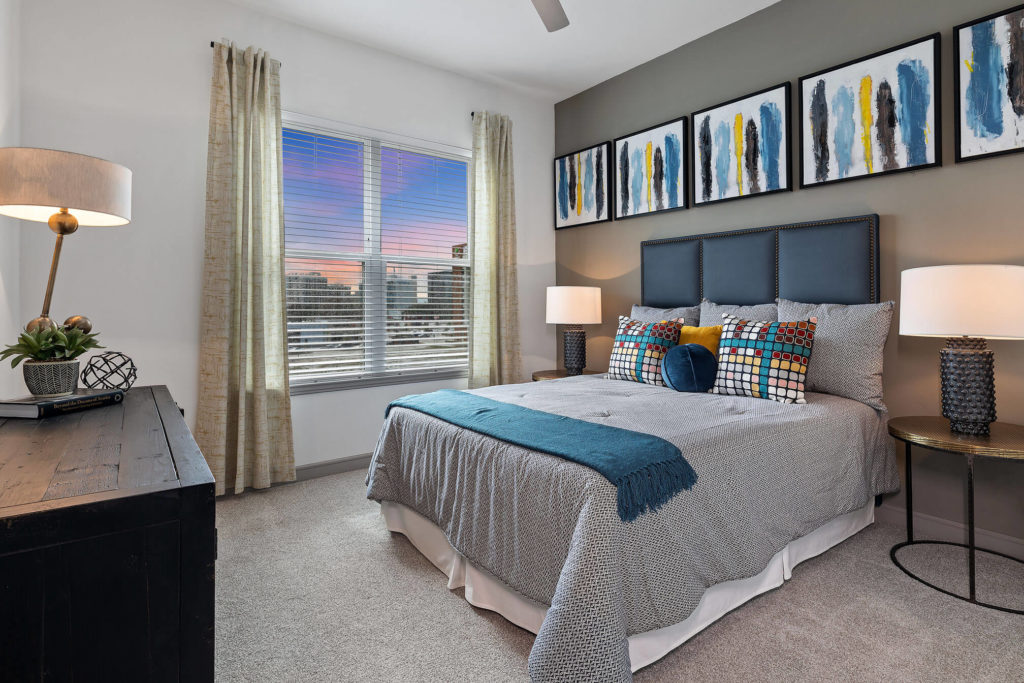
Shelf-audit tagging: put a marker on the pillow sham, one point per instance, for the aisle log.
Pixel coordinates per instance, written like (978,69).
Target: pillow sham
(848,347)
(711,313)
(764,359)
(650,314)
(707,337)
(689,367)
(639,348)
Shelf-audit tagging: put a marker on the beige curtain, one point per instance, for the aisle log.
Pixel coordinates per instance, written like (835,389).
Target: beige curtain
(494,345)
(243,425)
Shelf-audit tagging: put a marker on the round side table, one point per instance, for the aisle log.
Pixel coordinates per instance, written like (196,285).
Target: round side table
(1006,441)
(541,375)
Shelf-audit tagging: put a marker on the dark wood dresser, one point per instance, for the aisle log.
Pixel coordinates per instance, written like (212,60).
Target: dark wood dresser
(107,546)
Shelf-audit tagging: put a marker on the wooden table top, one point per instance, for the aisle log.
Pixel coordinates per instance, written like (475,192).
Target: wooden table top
(1005,440)
(139,445)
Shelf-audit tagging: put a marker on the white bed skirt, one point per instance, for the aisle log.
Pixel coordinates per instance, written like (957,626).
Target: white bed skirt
(487,592)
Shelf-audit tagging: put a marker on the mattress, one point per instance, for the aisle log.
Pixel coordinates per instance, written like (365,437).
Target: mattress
(546,528)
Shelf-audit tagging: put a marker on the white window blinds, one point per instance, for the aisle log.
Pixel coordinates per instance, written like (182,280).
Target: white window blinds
(377,260)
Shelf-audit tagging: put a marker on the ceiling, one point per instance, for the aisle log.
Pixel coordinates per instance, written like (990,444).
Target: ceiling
(504,41)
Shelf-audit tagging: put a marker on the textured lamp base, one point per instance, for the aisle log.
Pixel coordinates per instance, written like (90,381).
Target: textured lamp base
(574,349)
(967,368)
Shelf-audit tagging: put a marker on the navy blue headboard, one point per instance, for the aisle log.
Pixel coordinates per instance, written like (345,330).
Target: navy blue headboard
(827,261)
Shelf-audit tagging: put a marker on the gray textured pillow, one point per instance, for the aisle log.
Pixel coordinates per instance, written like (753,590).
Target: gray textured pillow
(848,345)
(711,313)
(649,314)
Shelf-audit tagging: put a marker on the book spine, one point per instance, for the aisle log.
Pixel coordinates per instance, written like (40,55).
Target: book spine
(84,403)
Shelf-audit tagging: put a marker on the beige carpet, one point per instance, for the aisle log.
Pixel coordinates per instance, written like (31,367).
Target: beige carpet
(312,587)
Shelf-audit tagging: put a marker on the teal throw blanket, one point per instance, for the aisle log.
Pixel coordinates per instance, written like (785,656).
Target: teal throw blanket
(646,470)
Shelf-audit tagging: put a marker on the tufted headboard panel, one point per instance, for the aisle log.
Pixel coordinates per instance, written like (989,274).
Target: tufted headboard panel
(827,261)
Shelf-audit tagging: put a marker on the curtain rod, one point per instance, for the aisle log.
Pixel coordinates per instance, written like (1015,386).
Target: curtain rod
(213,43)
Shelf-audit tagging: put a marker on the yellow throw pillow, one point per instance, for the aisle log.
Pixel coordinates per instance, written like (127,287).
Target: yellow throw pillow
(705,336)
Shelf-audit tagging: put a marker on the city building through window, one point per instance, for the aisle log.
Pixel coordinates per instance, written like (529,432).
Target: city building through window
(377,260)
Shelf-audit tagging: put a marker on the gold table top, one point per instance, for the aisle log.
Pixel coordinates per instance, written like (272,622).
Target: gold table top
(541,375)
(1005,440)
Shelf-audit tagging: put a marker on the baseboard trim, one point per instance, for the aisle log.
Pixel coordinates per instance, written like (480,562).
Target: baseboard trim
(940,529)
(337,466)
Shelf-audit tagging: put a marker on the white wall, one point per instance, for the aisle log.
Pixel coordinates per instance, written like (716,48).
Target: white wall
(130,82)
(10,309)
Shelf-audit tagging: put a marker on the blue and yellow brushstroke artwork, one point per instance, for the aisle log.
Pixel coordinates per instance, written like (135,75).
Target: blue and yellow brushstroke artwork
(990,79)
(650,169)
(582,187)
(875,115)
(741,148)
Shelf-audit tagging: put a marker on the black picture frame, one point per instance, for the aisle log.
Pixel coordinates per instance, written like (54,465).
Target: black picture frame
(607,145)
(787,143)
(683,167)
(958,124)
(937,97)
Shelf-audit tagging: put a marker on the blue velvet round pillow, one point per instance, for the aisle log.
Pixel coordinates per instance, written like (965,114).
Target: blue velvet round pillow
(689,367)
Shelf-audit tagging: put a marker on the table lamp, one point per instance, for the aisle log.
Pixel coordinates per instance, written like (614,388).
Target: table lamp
(574,307)
(63,190)
(967,305)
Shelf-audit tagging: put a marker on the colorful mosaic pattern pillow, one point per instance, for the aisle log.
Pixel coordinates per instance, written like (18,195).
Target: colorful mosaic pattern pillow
(639,348)
(764,359)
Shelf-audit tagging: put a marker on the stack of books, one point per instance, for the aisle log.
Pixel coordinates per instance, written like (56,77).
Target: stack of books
(34,408)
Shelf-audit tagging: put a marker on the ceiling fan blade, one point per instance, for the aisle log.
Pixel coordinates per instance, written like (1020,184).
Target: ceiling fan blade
(552,14)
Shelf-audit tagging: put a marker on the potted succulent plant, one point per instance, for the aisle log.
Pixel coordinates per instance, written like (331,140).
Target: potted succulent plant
(51,356)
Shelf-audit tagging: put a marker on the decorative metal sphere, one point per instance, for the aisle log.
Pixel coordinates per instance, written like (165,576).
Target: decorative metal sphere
(43,322)
(79,321)
(109,370)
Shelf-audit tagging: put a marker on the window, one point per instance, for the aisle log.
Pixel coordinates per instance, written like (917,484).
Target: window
(377,260)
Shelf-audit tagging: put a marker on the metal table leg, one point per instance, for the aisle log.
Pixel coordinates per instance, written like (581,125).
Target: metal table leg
(970,522)
(910,498)
(972,550)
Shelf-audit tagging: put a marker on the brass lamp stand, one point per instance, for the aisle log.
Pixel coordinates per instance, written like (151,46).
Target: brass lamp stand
(62,223)
(81,189)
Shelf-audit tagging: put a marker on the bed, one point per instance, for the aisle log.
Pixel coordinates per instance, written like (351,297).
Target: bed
(537,538)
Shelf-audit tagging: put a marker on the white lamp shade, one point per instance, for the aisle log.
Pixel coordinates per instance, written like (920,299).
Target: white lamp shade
(972,300)
(36,183)
(574,305)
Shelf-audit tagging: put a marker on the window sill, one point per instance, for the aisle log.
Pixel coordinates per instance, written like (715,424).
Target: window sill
(319,387)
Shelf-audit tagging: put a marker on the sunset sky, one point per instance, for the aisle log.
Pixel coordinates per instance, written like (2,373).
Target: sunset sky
(423,203)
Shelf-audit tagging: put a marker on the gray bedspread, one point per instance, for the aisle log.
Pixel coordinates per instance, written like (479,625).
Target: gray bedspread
(767,473)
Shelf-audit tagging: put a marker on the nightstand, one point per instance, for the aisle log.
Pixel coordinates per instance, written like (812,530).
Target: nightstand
(541,375)
(1006,441)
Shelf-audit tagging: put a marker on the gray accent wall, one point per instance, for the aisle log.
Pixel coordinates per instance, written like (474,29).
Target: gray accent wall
(959,213)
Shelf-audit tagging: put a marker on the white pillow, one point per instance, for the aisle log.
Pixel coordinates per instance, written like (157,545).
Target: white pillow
(648,314)
(711,313)
(848,347)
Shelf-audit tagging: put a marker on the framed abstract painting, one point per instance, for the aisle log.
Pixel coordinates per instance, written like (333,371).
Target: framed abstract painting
(583,187)
(988,55)
(650,170)
(872,116)
(741,148)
